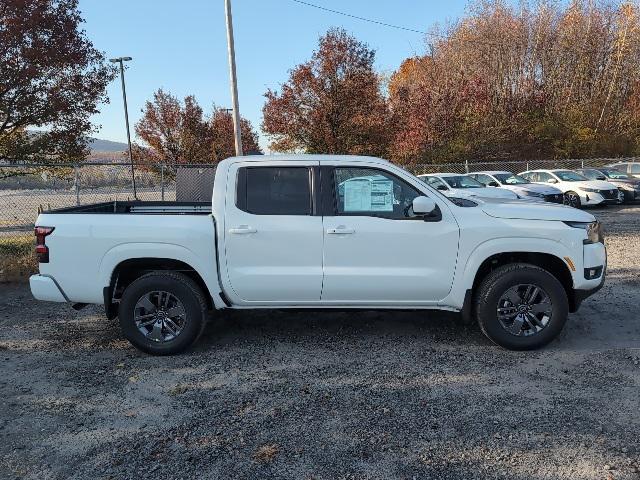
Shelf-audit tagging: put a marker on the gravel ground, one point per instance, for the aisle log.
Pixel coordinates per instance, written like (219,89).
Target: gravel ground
(327,395)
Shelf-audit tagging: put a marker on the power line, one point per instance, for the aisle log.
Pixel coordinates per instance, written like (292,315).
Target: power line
(377,22)
(430,34)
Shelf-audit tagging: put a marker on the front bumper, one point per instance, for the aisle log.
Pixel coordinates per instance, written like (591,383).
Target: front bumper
(44,287)
(594,256)
(579,295)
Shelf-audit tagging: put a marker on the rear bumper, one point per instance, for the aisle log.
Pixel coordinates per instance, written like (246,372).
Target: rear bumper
(44,287)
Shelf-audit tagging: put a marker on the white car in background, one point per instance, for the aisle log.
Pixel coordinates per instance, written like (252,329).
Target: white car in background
(520,186)
(578,189)
(461,185)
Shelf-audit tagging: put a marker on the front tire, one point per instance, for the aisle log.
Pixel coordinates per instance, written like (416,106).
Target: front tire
(572,199)
(521,306)
(162,313)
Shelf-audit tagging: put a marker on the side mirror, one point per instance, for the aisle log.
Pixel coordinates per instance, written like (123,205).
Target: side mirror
(552,180)
(423,206)
(493,184)
(441,187)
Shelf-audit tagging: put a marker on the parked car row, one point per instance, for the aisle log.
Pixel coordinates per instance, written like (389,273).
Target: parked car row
(576,188)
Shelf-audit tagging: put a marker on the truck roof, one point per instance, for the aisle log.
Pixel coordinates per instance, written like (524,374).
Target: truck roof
(305,157)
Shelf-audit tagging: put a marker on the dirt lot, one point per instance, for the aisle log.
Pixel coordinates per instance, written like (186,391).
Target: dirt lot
(327,395)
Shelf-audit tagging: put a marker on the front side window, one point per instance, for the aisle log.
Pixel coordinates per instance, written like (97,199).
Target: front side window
(436,183)
(484,179)
(462,181)
(615,174)
(569,176)
(274,190)
(511,179)
(373,192)
(544,176)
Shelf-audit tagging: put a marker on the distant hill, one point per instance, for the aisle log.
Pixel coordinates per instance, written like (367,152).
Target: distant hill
(99,145)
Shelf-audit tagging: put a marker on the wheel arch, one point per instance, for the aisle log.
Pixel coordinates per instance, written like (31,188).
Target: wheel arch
(547,261)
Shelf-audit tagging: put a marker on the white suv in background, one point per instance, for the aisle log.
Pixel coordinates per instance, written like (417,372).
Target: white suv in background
(578,189)
(519,185)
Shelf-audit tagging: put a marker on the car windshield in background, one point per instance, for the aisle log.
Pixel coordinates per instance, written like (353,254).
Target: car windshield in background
(509,179)
(462,181)
(615,174)
(569,176)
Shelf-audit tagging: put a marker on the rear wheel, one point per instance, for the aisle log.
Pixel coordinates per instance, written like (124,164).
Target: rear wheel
(572,199)
(162,313)
(521,306)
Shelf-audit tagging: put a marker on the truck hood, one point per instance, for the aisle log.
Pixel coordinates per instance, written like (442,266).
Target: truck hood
(532,211)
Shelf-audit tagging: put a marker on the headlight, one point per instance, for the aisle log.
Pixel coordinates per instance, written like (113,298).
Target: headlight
(593,190)
(529,193)
(595,234)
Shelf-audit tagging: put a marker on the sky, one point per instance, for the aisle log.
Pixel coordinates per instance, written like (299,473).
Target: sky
(181,46)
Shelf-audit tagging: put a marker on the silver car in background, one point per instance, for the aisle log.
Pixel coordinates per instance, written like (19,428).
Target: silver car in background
(461,185)
(519,185)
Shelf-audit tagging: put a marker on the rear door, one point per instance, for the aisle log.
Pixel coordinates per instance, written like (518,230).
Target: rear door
(273,234)
(375,250)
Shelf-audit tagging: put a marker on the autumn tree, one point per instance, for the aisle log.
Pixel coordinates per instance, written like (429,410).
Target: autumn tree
(179,132)
(331,104)
(51,80)
(222,141)
(547,81)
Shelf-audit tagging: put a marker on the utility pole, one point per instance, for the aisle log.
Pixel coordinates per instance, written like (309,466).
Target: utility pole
(121,61)
(234,80)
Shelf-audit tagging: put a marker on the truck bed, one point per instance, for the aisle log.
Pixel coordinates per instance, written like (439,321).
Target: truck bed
(139,207)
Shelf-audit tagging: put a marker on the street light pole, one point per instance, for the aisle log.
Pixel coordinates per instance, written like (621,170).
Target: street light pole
(234,80)
(121,61)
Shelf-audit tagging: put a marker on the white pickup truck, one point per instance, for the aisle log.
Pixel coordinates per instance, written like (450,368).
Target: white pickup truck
(320,231)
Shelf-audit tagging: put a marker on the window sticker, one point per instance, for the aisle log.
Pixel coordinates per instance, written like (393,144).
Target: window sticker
(366,195)
(382,196)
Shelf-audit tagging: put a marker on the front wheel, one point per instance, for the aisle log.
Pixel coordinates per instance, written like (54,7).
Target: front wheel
(572,199)
(162,312)
(521,306)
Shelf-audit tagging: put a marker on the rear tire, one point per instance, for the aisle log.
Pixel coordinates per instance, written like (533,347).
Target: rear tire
(572,199)
(521,306)
(162,313)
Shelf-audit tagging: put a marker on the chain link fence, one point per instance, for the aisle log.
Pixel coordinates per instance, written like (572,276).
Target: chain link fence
(25,190)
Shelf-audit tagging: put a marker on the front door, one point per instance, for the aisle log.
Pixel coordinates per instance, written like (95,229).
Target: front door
(273,236)
(376,251)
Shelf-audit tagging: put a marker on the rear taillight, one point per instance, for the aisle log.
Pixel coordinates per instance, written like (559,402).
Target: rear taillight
(42,251)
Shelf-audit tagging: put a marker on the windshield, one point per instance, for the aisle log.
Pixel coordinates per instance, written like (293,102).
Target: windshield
(510,179)
(615,174)
(462,181)
(569,176)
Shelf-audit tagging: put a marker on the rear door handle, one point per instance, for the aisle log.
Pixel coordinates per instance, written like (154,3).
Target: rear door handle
(340,230)
(242,229)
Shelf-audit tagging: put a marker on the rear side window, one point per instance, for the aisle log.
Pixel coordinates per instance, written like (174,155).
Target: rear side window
(634,168)
(274,190)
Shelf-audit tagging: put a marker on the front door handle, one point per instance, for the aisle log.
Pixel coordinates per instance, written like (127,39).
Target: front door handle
(242,229)
(340,230)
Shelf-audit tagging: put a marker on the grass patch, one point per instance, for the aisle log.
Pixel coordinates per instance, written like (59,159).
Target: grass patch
(17,258)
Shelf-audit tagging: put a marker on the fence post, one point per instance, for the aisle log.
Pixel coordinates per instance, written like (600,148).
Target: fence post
(466,166)
(162,181)
(76,183)
(527,169)
(582,163)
